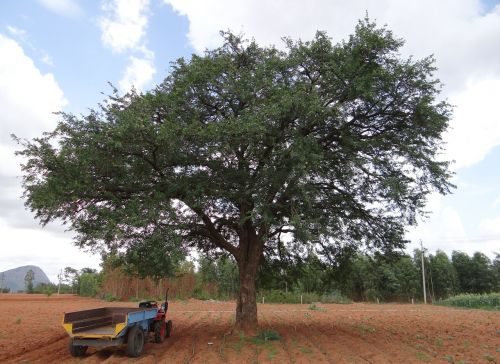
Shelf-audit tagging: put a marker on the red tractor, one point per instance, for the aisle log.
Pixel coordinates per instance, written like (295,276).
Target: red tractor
(159,325)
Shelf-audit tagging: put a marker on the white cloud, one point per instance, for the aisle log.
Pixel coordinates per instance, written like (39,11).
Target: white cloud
(496,202)
(139,73)
(68,8)
(123,30)
(17,32)
(491,226)
(47,59)
(124,24)
(28,99)
(447,28)
(475,127)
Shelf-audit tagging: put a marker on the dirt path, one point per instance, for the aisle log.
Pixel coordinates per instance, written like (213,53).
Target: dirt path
(31,332)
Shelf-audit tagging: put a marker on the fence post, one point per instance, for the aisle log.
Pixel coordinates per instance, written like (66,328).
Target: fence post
(300,299)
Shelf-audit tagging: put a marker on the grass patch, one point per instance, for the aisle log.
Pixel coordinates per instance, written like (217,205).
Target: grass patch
(306,350)
(423,357)
(365,329)
(271,351)
(313,307)
(239,344)
(489,301)
(439,342)
(266,335)
(488,357)
(265,338)
(451,359)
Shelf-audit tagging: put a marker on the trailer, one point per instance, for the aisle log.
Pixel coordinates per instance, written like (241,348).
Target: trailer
(113,326)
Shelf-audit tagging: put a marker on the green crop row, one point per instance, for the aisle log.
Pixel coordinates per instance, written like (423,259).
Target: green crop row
(489,301)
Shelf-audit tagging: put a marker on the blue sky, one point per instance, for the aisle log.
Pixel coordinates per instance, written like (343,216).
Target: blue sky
(60,55)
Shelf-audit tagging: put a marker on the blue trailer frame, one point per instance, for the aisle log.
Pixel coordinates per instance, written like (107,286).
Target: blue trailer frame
(113,326)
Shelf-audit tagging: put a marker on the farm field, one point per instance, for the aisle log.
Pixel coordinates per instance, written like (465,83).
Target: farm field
(30,332)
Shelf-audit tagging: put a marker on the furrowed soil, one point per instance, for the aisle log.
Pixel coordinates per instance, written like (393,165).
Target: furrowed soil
(31,332)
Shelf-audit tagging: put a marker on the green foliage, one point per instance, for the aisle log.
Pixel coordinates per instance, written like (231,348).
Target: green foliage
(314,307)
(89,284)
(445,280)
(221,271)
(279,131)
(28,281)
(266,335)
(336,145)
(476,274)
(482,301)
(47,289)
(335,297)
(109,297)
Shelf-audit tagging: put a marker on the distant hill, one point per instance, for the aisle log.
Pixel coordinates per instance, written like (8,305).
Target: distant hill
(14,278)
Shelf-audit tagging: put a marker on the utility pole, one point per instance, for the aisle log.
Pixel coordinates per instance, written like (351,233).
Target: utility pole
(423,271)
(59,286)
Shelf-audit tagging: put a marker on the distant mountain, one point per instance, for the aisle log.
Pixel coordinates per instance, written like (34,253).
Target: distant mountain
(14,278)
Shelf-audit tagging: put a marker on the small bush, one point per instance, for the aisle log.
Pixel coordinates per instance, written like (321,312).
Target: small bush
(266,335)
(490,301)
(313,307)
(336,297)
(202,295)
(109,297)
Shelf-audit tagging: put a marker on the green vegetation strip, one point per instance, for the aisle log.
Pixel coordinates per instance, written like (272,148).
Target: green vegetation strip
(488,301)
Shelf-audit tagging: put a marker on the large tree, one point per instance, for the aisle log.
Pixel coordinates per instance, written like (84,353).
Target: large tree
(252,150)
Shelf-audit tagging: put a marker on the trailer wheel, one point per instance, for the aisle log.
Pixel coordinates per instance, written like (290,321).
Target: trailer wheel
(169,328)
(160,329)
(77,350)
(135,341)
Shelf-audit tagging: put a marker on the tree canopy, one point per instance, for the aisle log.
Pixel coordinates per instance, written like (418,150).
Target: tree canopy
(253,151)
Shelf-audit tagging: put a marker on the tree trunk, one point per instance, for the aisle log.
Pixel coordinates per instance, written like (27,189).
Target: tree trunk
(246,305)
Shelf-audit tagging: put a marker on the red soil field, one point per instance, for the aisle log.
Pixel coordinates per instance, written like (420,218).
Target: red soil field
(31,332)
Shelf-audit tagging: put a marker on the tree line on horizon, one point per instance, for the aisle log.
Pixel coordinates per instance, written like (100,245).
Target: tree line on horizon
(373,277)
(359,277)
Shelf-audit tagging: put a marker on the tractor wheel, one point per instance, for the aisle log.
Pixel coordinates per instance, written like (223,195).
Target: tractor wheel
(77,350)
(135,341)
(169,328)
(160,329)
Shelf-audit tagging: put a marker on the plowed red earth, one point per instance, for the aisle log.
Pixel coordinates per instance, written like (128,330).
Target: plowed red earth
(31,332)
